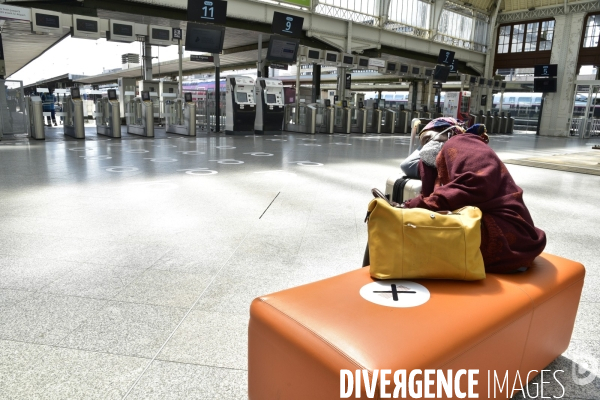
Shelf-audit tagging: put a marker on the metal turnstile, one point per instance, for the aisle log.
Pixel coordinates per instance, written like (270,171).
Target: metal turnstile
(359,118)
(140,116)
(495,123)
(35,112)
(343,118)
(73,125)
(389,121)
(325,120)
(108,115)
(180,116)
(502,123)
(375,117)
(488,120)
(510,123)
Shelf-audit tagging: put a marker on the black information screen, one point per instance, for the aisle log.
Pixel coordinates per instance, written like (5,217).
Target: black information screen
(187,97)
(445,57)
(547,70)
(416,70)
(205,38)
(314,54)
(428,72)
(271,98)
(391,67)
(363,62)
(47,20)
(207,11)
(145,96)
(332,57)
(348,59)
(327,103)
(122,30)
(544,85)
(496,84)
(404,69)
(441,73)
(112,94)
(161,34)
(282,49)
(481,81)
(490,82)
(75,93)
(287,25)
(87,25)
(473,79)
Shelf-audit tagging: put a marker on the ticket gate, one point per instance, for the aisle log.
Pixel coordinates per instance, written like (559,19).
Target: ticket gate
(479,117)
(270,107)
(502,123)
(180,116)
(510,123)
(35,112)
(108,115)
(404,119)
(488,120)
(389,121)
(360,116)
(376,118)
(240,106)
(140,116)
(344,116)
(326,124)
(73,115)
(311,118)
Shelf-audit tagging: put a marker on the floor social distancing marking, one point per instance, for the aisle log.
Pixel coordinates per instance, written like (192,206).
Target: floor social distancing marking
(260,154)
(228,161)
(198,171)
(121,169)
(162,160)
(307,163)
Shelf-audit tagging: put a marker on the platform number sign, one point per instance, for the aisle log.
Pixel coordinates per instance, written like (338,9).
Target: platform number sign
(446,57)
(207,11)
(287,25)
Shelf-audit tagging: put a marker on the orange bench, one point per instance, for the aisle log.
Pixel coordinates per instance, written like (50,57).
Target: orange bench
(300,339)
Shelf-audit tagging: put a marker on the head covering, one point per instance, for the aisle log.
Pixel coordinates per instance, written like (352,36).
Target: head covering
(444,123)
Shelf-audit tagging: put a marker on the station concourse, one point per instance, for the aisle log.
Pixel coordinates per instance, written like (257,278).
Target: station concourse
(190,177)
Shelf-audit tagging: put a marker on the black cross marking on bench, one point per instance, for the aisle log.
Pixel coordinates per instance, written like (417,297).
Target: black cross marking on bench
(394,291)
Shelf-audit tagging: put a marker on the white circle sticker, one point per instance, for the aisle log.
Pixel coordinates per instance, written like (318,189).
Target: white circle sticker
(395,293)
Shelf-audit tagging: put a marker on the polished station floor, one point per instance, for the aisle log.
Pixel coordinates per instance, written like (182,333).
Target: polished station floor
(127,267)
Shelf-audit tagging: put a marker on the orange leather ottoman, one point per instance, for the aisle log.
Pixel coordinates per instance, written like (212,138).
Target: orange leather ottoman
(300,339)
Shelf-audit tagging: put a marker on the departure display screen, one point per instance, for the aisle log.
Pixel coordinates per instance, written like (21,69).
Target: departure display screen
(416,70)
(187,97)
(428,72)
(545,85)
(241,97)
(363,62)
(473,79)
(145,96)
(331,57)
(75,93)
(161,34)
(391,67)
(204,38)
(282,49)
(112,94)
(87,25)
(404,68)
(481,81)
(348,59)
(314,54)
(47,20)
(123,30)
(271,99)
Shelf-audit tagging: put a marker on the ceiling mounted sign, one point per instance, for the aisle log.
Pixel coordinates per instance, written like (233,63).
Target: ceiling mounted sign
(302,3)
(207,11)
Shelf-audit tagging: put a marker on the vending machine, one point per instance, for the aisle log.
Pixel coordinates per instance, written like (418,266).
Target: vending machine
(240,106)
(270,109)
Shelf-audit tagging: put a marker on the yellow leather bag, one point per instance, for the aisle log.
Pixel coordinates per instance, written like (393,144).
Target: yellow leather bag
(414,243)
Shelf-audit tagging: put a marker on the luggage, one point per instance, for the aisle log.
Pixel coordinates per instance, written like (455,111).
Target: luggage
(399,188)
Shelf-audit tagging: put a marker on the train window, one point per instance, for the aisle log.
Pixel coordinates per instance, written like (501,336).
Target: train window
(537,100)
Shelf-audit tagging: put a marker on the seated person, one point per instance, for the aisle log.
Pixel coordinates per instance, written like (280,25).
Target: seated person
(459,169)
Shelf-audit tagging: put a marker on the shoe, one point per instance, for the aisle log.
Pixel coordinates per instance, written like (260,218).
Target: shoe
(55,125)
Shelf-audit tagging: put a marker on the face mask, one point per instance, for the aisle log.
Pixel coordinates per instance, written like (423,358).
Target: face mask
(430,151)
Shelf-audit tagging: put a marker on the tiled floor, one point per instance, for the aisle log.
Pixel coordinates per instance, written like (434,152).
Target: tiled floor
(127,267)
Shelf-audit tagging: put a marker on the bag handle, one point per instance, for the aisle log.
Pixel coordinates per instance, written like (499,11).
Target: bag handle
(379,194)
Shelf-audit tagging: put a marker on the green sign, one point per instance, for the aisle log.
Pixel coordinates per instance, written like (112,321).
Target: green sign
(302,3)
